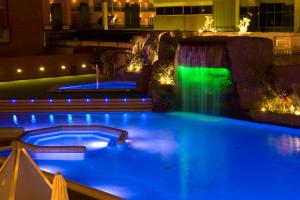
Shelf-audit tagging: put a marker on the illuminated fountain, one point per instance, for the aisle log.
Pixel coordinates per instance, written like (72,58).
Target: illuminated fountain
(203,79)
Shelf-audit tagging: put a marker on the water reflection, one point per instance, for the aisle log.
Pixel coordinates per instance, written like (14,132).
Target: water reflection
(285,144)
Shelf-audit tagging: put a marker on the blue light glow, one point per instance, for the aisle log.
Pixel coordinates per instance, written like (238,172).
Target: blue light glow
(33,119)
(13,101)
(88,118)
(50,100)
(143,99)
(125,117)
(32,101)
(106,85)
(87,100)
(70,119)
(125,100)
(51,119)
(59,156)
(15,119)
(106,118)
(106,100)
(69,100)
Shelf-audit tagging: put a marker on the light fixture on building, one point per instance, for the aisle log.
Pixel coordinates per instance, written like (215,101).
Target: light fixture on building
(83,65)
(63,67)
(42,69)
(19,70)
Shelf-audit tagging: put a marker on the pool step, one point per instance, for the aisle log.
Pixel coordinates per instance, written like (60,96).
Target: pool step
(75,105)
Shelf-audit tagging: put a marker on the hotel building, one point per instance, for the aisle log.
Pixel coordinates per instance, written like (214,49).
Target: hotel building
(265,15)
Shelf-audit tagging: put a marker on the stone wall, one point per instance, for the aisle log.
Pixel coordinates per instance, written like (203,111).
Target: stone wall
(286,78)
(251,59)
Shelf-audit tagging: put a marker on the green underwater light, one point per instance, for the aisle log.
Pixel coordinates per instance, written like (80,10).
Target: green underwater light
(204,74)
(202,89)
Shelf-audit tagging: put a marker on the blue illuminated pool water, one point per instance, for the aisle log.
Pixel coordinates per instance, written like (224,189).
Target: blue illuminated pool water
(106,85)
(181,156)
(89,139)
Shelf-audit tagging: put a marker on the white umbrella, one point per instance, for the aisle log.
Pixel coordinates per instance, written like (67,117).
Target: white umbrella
(21,179)
(59,188)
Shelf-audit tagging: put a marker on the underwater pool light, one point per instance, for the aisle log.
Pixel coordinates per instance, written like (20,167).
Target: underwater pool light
(33,119)
(15,119)
(51,118)
(88,118)
(70,119)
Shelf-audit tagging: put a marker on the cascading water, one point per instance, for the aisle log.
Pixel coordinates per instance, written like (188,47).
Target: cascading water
(202,78)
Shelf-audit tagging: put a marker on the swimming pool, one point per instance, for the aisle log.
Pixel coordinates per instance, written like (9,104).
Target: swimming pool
(180,156)
(104,85)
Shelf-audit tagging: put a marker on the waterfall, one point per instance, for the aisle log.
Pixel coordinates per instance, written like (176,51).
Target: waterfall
(202,78)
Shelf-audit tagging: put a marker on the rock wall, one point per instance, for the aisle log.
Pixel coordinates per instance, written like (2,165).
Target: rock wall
(250,61)
(286,78)
(248,58)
